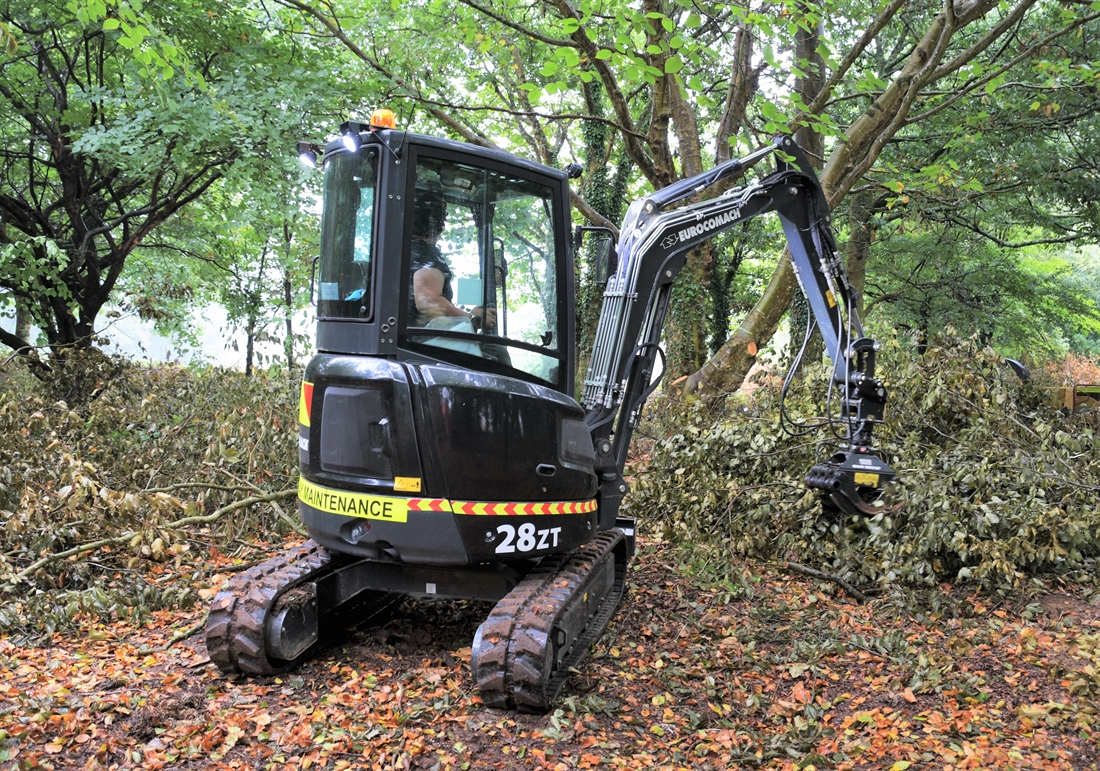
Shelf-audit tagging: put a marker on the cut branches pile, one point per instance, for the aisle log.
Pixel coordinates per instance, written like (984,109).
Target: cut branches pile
(995,484)
(103,507)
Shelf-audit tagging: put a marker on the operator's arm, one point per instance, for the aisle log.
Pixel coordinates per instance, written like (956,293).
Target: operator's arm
(428,290)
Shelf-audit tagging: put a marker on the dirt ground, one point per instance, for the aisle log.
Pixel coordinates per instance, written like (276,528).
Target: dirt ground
(757,669)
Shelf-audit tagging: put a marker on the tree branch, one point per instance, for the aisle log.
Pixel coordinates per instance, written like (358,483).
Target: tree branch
(988,39)
(591,214)
(853,54)
(215,515)
(1027,54)
(519,113)
(794,567)
(1015,244)
(743,84)
(555,42)
(619,102)
(23,351)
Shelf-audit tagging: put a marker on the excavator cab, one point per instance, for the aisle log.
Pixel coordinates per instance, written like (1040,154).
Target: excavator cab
(491,227)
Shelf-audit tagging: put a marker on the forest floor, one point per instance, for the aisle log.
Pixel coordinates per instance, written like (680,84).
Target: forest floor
(756,668)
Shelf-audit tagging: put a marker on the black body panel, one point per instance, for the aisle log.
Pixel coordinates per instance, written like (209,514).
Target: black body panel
(499,439)
(379,427)
(428,538)
(365,441)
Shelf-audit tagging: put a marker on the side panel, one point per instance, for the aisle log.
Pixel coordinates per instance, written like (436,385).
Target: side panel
(500,439)
(360,413)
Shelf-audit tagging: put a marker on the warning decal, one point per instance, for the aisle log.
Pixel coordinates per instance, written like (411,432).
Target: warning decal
(351,504)
(395,509)
(305,403)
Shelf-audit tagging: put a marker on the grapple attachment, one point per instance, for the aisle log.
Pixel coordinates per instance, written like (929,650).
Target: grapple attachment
(854,481)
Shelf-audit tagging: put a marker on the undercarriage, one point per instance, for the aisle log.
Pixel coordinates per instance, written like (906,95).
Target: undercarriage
(549,612)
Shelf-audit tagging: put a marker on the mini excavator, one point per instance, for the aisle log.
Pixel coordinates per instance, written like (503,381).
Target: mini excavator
(441,449)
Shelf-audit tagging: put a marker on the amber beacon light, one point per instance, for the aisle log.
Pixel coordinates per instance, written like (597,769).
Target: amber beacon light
(383,118)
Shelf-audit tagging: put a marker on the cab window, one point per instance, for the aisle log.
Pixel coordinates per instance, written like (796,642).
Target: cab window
(347,235)
(482,274)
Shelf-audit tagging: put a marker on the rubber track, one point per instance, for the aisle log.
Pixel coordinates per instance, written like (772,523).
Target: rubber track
(514,661)
(235,626)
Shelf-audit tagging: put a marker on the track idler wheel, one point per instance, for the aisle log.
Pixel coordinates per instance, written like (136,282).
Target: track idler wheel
(239,622)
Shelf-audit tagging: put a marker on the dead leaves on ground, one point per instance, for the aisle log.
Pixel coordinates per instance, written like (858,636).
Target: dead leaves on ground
(767,671)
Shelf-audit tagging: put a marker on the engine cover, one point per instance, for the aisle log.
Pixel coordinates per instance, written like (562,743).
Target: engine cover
(436,465)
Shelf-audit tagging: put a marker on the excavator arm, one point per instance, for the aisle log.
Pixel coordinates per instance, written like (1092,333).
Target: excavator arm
(652,248)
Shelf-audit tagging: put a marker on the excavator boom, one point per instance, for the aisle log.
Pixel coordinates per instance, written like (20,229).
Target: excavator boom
(653,245)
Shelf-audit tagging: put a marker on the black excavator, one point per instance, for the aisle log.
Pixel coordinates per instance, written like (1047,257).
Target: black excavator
(442,451)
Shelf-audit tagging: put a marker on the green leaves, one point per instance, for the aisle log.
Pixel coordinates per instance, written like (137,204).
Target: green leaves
(33,266)
(136,32)
(994,485)
(161,140)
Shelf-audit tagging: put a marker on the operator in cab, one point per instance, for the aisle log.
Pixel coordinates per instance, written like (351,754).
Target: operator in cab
(431,296)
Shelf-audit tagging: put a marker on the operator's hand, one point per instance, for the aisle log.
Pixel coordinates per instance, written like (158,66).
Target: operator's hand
(484,317)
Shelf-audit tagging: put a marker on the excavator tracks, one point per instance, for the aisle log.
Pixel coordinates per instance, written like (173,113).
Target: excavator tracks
(239,623)
(523,651)
(235,628)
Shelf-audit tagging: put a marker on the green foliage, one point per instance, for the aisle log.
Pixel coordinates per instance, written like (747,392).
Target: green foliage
(994,485)
(1020,301)
(157,54)
(159,445)
(31,266)
(103,151)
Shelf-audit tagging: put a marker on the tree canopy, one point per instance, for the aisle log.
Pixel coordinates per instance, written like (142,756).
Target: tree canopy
(101,150)
(966,124)
(910,104)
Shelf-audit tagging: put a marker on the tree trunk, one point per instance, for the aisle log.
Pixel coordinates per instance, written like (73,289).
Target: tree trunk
(858,248)
(250,345)
(686,334)
(808,85)
(22,319)
(726,370)
(863,142)
(288,310)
